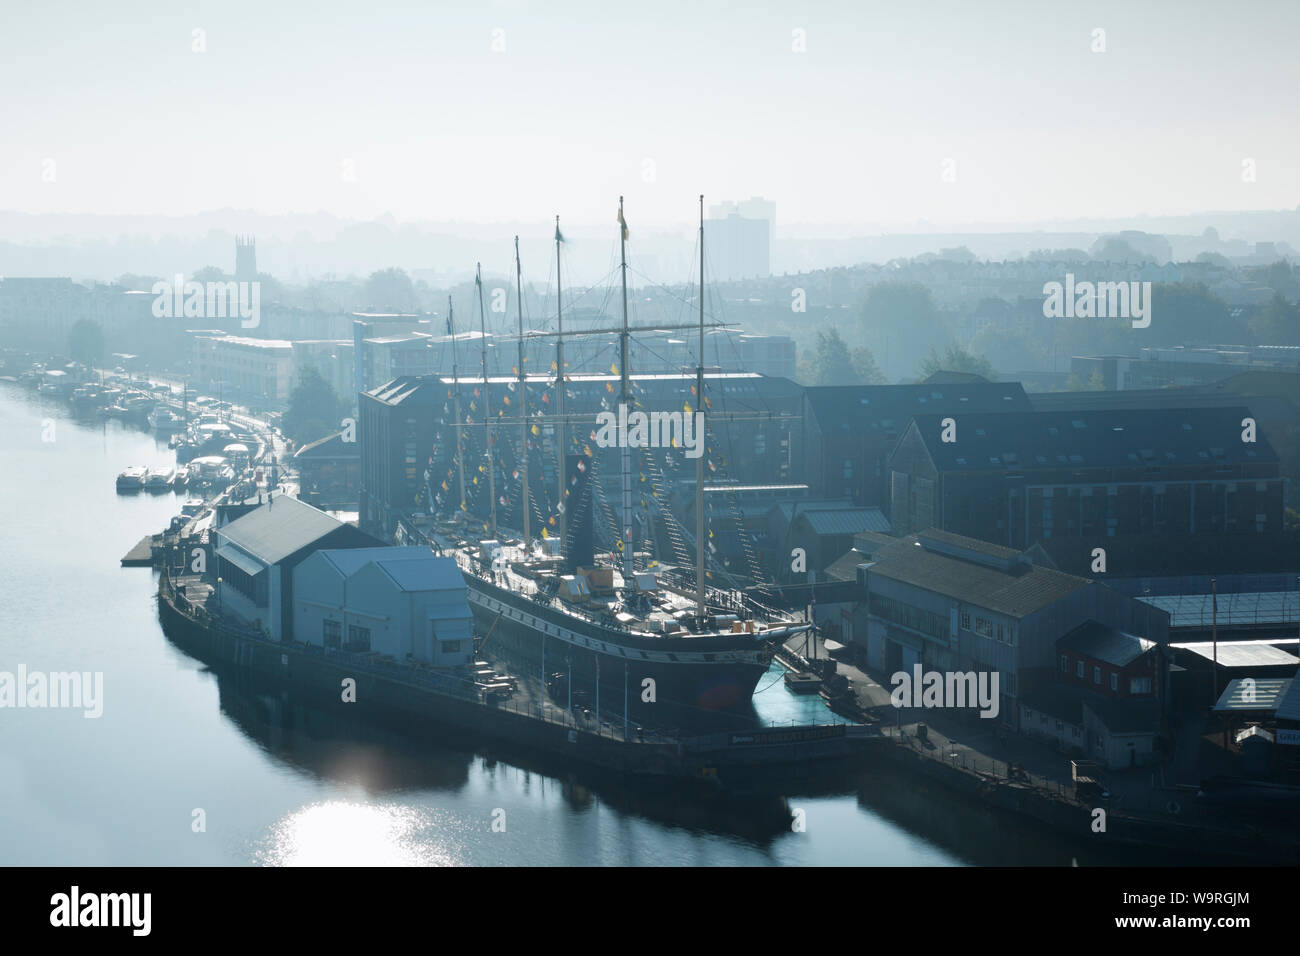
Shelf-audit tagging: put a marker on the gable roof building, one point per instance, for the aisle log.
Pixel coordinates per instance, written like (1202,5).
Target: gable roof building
(257,552)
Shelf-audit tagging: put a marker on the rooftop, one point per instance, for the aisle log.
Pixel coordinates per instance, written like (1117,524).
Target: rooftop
(331,446)
(1096,640)
(283,526)
(1251,654)
(974,572)
(1094,438)
(839,521)
(1249,694)
(1234,610)
(410,568)
(880,408)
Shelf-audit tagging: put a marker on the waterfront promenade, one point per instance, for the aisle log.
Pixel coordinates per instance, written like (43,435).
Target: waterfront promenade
(1155,804)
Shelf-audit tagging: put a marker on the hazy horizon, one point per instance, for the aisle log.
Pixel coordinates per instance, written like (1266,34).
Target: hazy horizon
(932,118)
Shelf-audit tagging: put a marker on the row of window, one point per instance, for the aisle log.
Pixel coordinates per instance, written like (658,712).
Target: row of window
(1136,685)
(915,618)
(984,627)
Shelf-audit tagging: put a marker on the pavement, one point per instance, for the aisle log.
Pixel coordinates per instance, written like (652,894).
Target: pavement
(981,744)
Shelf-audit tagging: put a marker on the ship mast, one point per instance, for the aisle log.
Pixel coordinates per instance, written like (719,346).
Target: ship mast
(487,402)
(561,432)
(455,390)
(700,607)
(625,401)
(523,403)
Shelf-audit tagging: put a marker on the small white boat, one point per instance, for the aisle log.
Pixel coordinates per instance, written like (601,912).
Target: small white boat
(159,480)
(133,478)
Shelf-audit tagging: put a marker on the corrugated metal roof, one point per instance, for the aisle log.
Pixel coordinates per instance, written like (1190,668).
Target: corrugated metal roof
(348,561)
(277,529)
(1103,643)
(1288,705)
(1016,592)
(1248,694)
(847,521)
(1243,655)
(428,572)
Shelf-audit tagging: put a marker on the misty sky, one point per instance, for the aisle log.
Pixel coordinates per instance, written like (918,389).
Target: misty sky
(856,129)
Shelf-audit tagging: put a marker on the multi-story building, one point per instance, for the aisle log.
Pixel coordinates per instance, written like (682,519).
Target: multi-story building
(1079,480)
(738,247)
(849,431)
(245,369)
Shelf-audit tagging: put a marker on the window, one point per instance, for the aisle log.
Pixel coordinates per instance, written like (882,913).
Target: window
(1139,685)
(1075,731)
(1096,675)
(965,620)
(1059,727)
(358,638)
(450,647)
(333,633)
(1078,668)
(983,628)
(1114,682)
(1065,664)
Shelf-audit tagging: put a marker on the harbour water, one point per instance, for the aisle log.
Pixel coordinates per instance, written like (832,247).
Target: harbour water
(274,781)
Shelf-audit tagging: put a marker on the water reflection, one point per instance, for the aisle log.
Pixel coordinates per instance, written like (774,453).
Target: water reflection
(341,833)
(385,756)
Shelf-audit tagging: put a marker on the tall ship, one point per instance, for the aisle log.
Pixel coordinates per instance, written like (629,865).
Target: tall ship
(616,627)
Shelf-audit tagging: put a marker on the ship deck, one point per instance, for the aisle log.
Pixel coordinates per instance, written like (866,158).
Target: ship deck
(667,616)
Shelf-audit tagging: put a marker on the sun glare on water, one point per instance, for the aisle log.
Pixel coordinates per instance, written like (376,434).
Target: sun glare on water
(341,833)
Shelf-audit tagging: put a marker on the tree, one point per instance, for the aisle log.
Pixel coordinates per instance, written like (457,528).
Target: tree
(1184,313)
(1214,259)
(314,411)
(1276,323)
(865,368)
(390,290)
(831,363)
(901,323)
(208,274)
(86,342)
(957,359)
(1114,249)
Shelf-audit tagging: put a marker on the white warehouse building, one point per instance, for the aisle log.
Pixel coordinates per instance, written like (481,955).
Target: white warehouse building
(403,602)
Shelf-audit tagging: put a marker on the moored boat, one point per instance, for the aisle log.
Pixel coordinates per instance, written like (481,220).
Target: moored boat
(159,480)
(133,478)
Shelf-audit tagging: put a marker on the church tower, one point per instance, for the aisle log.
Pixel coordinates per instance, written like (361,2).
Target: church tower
(245,258)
